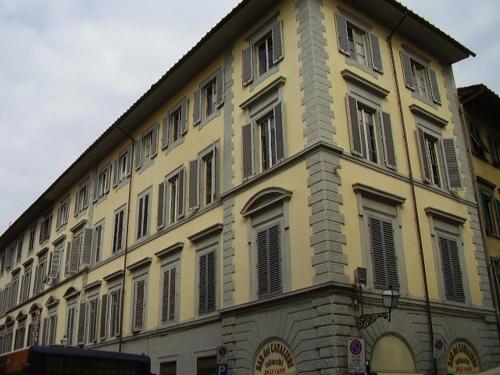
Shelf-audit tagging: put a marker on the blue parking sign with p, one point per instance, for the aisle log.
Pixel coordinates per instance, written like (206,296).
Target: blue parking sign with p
(222,369)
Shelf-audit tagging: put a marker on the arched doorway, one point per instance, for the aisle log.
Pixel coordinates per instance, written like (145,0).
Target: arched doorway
(391,355)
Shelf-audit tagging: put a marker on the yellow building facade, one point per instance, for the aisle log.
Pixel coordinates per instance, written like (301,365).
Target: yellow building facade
(302,158)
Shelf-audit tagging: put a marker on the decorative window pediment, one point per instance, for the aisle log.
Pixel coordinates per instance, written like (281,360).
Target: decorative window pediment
(264,199)
(9,320)
(52,301)
(36,307)
(70,293)
(21,316)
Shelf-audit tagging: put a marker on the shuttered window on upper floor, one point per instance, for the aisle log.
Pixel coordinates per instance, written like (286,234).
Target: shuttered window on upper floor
(451,269)
(175,125)
(383,253)
(171,199)
(139,305)
(143,214)
(420,78)
(208,98)
(358,43)
(203,172)
(169,293)
(146,148)
(122,167)
(269,263)
(371,134)
(207,282)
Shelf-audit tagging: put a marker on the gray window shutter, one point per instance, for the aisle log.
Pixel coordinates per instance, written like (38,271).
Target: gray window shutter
(139,299)
(385,273)
(138,154)
(424,158)
(184,109)
(193,184)
(407,71)
(45,334)
(129,160)
(87,247)
(165,300)
(154,142)
(95,187)
(202,287)
(81,323)
(172,294)
(247,75)
(53,328)
(74,258)
(451,163)
(436,96)
(269,262)
(376,55)
(207,287)
(452,274)
(280,139)
(115,173)
(219,81)
(108,172)
(161,205)
(342,34)
(277,42)
(67,261)
(180,203)
(197,107)
(357,133)
(104,309)
(389,152)
(56,261)
(164,133)
(247,151)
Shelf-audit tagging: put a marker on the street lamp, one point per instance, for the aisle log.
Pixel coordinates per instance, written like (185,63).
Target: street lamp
(390,298)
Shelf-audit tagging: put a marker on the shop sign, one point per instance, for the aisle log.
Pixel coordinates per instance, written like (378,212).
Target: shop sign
(462,359)
(356,363)
(274,358)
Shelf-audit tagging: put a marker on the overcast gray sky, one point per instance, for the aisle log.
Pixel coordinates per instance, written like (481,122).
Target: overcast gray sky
(69,68)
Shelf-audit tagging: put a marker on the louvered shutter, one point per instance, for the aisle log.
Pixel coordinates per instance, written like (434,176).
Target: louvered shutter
(451,163)
(164,133)
(45,333)
(103,322)
(357,132)
(269,277)
(180,203)
(436,96)
(137,154)
(262,264)
(81,323)
(154,141)
(376,55)
(108,174)
(457,272)
(424,157)
(389,152)
(87,247)
(139,294)
(197,107)
(193,184)
(74,258)
(247,150)
(219,82)
(184,109)
(211,281)
(452,274)
(202,287)
(129,160)
(95,188)
(407,71)
(172,295)
(207,287)
(115,172)
(161,205)
(52,331)
(165,294)
(247,75)
(56,261)
(383,252)
(277,42)
(343,38)
(280,140)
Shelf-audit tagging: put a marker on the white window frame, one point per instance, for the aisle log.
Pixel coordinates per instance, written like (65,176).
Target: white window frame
(121,239)
(63,214)
(144,205)
(98,242)
(82,198)
(140,277)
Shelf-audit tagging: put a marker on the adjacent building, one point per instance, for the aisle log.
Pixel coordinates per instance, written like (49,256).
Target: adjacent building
(253,205)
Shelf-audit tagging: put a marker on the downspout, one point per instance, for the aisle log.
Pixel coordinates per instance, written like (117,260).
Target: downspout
(413,194)
(122,297)
(491,273)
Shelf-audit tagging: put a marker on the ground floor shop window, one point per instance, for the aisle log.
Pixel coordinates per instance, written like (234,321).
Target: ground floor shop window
(168,368)
(206,366)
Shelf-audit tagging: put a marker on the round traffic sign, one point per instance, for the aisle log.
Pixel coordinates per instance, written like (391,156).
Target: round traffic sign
(356,347)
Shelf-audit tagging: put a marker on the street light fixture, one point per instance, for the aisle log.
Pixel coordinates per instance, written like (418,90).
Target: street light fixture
(390,298)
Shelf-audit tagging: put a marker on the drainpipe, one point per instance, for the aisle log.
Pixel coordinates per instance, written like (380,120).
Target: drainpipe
(413,194)
(122,297)
(489,265)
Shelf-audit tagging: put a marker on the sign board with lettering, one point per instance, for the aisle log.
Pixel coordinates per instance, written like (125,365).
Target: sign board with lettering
(356,363)
(274,358)
(462,359)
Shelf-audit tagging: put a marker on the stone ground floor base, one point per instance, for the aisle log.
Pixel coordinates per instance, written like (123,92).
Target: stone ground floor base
(308,333)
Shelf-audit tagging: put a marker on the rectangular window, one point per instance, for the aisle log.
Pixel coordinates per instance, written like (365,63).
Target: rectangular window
(420,78)
(175,196)
(207,298)
(169,294)
(143,214)
(70,324)
(206,365)
(14,290)
(139,305)
(45,227)
(122,167)
(357,44)
(40,275)
(19,253)
(92,306)
(269,272)
(97,242)
(371,133)
(20,336)
(102,183)
(450,263)
(31,245)
(383,253)
(175,125)
(49,329)
(208,98)
(26,284)
(55,266)
(73,258)
(203,178)
(146,148)
(118,231)
(168,368)
(62,214)
(82,199)
(431,147)
(263,142)
(114,312)
(486,202)
(264,52)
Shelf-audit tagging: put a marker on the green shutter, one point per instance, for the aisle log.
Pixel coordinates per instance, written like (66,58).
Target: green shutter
(207,283)
(184,109)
